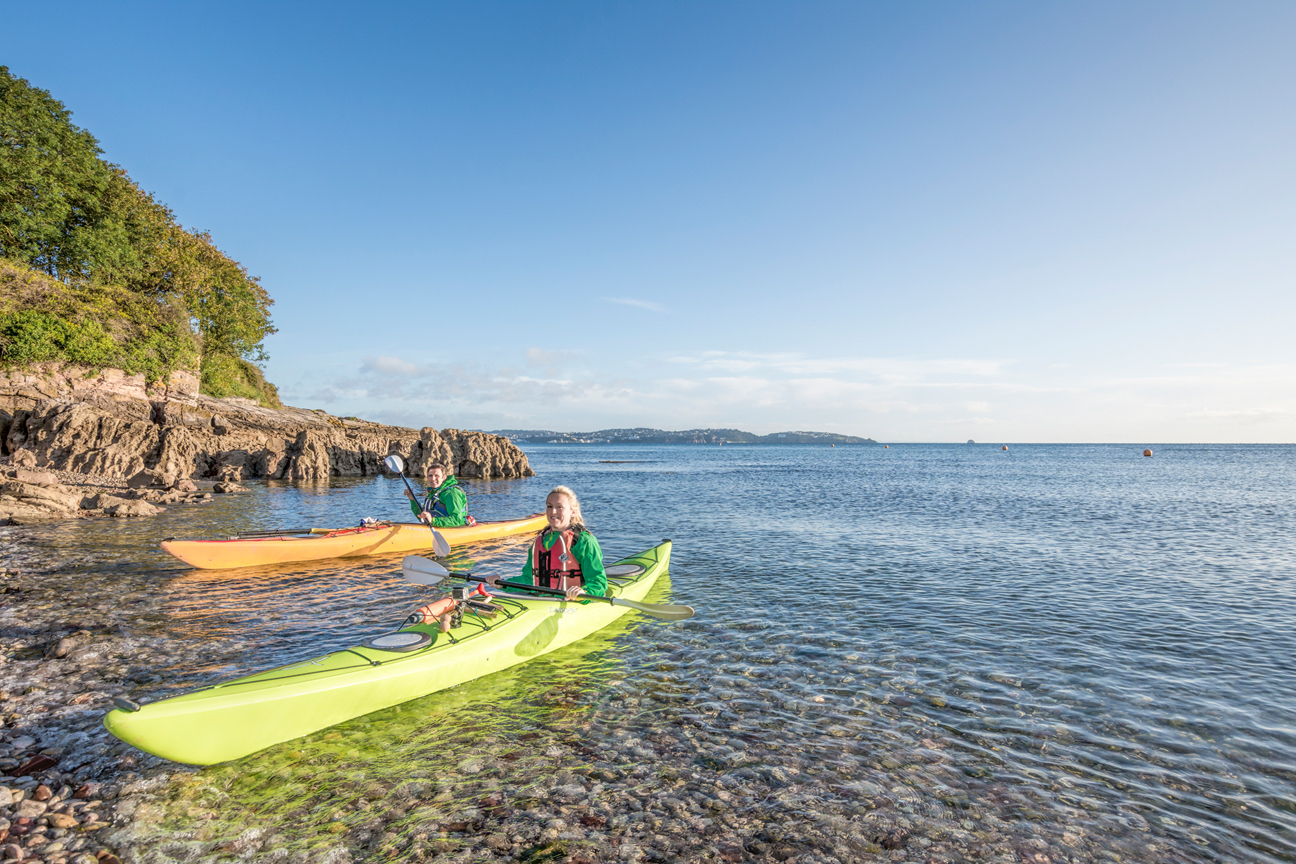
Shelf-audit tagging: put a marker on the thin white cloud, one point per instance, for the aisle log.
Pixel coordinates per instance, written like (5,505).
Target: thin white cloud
(393,366)
(891,369)
(638,304)
(549,359)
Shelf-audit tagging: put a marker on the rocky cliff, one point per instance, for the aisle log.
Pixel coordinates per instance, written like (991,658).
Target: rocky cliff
(107,425)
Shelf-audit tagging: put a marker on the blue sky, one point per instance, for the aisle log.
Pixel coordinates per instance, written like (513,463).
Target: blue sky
(910,221)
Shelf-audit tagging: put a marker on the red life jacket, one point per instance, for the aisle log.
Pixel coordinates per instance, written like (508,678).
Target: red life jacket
(548,569)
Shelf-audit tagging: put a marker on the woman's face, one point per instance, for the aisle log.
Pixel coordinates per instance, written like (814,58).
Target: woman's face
(558,511)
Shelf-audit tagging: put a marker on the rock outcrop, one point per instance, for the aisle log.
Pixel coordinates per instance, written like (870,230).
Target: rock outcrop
(60,421)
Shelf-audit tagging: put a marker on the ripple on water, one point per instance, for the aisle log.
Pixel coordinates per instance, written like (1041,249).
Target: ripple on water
(945,653)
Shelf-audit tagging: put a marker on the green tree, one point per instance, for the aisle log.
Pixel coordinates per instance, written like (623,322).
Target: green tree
(68,213)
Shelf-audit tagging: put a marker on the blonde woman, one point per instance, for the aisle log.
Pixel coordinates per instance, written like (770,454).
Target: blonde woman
(566,555)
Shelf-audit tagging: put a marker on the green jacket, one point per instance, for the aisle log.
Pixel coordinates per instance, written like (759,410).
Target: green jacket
(447,503)
(588,555)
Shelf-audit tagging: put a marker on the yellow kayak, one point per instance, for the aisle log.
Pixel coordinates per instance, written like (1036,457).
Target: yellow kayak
(384,538)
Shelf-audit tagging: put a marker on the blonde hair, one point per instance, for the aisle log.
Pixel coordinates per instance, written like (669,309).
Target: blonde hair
(577,520)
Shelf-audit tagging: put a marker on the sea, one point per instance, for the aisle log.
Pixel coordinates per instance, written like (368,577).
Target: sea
(930,652)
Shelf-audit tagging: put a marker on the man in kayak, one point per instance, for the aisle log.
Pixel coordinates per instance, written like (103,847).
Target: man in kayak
(566,555)
(446,505)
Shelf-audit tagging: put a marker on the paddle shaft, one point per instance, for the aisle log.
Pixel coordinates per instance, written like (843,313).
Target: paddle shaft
(658,609)
(421,571)
(412,495)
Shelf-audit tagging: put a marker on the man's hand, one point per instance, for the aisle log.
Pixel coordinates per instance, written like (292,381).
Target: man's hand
(573,592)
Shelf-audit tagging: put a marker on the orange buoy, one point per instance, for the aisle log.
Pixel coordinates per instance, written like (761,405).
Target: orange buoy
(1005,446)
(1147,452)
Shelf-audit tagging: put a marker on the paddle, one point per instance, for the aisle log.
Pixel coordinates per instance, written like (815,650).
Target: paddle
(421,571)
(439,544)
(284,532)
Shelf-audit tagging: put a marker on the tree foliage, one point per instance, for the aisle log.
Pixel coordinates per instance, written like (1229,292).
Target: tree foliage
(68,213)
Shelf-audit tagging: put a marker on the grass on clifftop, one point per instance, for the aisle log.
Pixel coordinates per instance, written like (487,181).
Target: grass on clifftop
(44,320)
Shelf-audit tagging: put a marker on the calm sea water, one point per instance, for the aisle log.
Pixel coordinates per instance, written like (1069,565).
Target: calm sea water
(1077,639)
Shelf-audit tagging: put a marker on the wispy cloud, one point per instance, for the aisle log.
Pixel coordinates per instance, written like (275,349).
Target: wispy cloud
(393,366)
(549,359)
(884,369)
(638,304)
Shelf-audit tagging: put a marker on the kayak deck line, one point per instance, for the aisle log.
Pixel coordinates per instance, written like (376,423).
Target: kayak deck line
(236,718)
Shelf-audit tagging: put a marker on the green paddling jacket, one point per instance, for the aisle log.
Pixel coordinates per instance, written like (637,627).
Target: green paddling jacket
(447,503)
(588,555)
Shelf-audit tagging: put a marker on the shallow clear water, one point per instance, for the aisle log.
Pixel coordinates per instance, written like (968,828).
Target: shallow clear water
(1066,651)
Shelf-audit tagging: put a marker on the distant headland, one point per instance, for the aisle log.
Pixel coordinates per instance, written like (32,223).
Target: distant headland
(689,436)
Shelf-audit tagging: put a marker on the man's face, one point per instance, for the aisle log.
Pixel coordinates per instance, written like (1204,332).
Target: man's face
(436,477)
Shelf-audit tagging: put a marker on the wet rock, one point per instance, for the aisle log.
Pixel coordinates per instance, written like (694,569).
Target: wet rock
(31,809)
(569,792)
(471,765)
(132,508)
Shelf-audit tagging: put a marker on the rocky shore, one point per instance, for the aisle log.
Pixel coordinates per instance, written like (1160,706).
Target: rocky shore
(73,437)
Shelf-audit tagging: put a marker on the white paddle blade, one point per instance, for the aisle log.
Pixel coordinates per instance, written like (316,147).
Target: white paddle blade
(395,464)
(422,571)
(440,545)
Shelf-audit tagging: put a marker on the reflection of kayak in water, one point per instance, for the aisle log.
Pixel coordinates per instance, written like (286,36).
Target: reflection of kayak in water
(385,538)
(249,714)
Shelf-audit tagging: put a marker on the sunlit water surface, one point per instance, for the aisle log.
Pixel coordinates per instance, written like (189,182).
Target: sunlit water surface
(1073,643)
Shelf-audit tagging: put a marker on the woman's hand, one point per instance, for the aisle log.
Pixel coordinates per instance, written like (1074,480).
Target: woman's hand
(573,592)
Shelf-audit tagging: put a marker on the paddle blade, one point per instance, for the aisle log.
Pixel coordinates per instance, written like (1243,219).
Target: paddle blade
(665,611)
(440,545)
(422,571)
(395,464)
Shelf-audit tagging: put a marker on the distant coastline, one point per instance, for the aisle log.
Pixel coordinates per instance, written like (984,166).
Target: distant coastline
(689,436)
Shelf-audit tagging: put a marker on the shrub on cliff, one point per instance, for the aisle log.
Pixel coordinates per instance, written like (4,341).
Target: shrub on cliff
(43,320)
(131,270)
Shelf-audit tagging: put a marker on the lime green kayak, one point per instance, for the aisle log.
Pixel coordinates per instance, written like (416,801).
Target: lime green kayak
(239,717)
